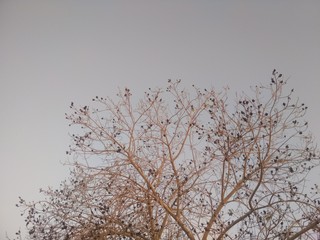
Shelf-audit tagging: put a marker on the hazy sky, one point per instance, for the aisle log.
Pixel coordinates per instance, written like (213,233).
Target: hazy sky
(55,52)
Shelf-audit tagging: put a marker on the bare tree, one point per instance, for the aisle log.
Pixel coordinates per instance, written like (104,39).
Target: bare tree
(185,165)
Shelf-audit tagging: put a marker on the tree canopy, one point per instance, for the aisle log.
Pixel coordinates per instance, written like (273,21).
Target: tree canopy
(185,164)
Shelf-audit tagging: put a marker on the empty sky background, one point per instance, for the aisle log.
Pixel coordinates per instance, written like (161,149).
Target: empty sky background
(55,52)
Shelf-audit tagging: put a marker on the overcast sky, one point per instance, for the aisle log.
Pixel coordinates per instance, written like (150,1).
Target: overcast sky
(55,52)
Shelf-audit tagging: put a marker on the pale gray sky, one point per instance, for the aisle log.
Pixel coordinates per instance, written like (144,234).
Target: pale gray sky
(55,52)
